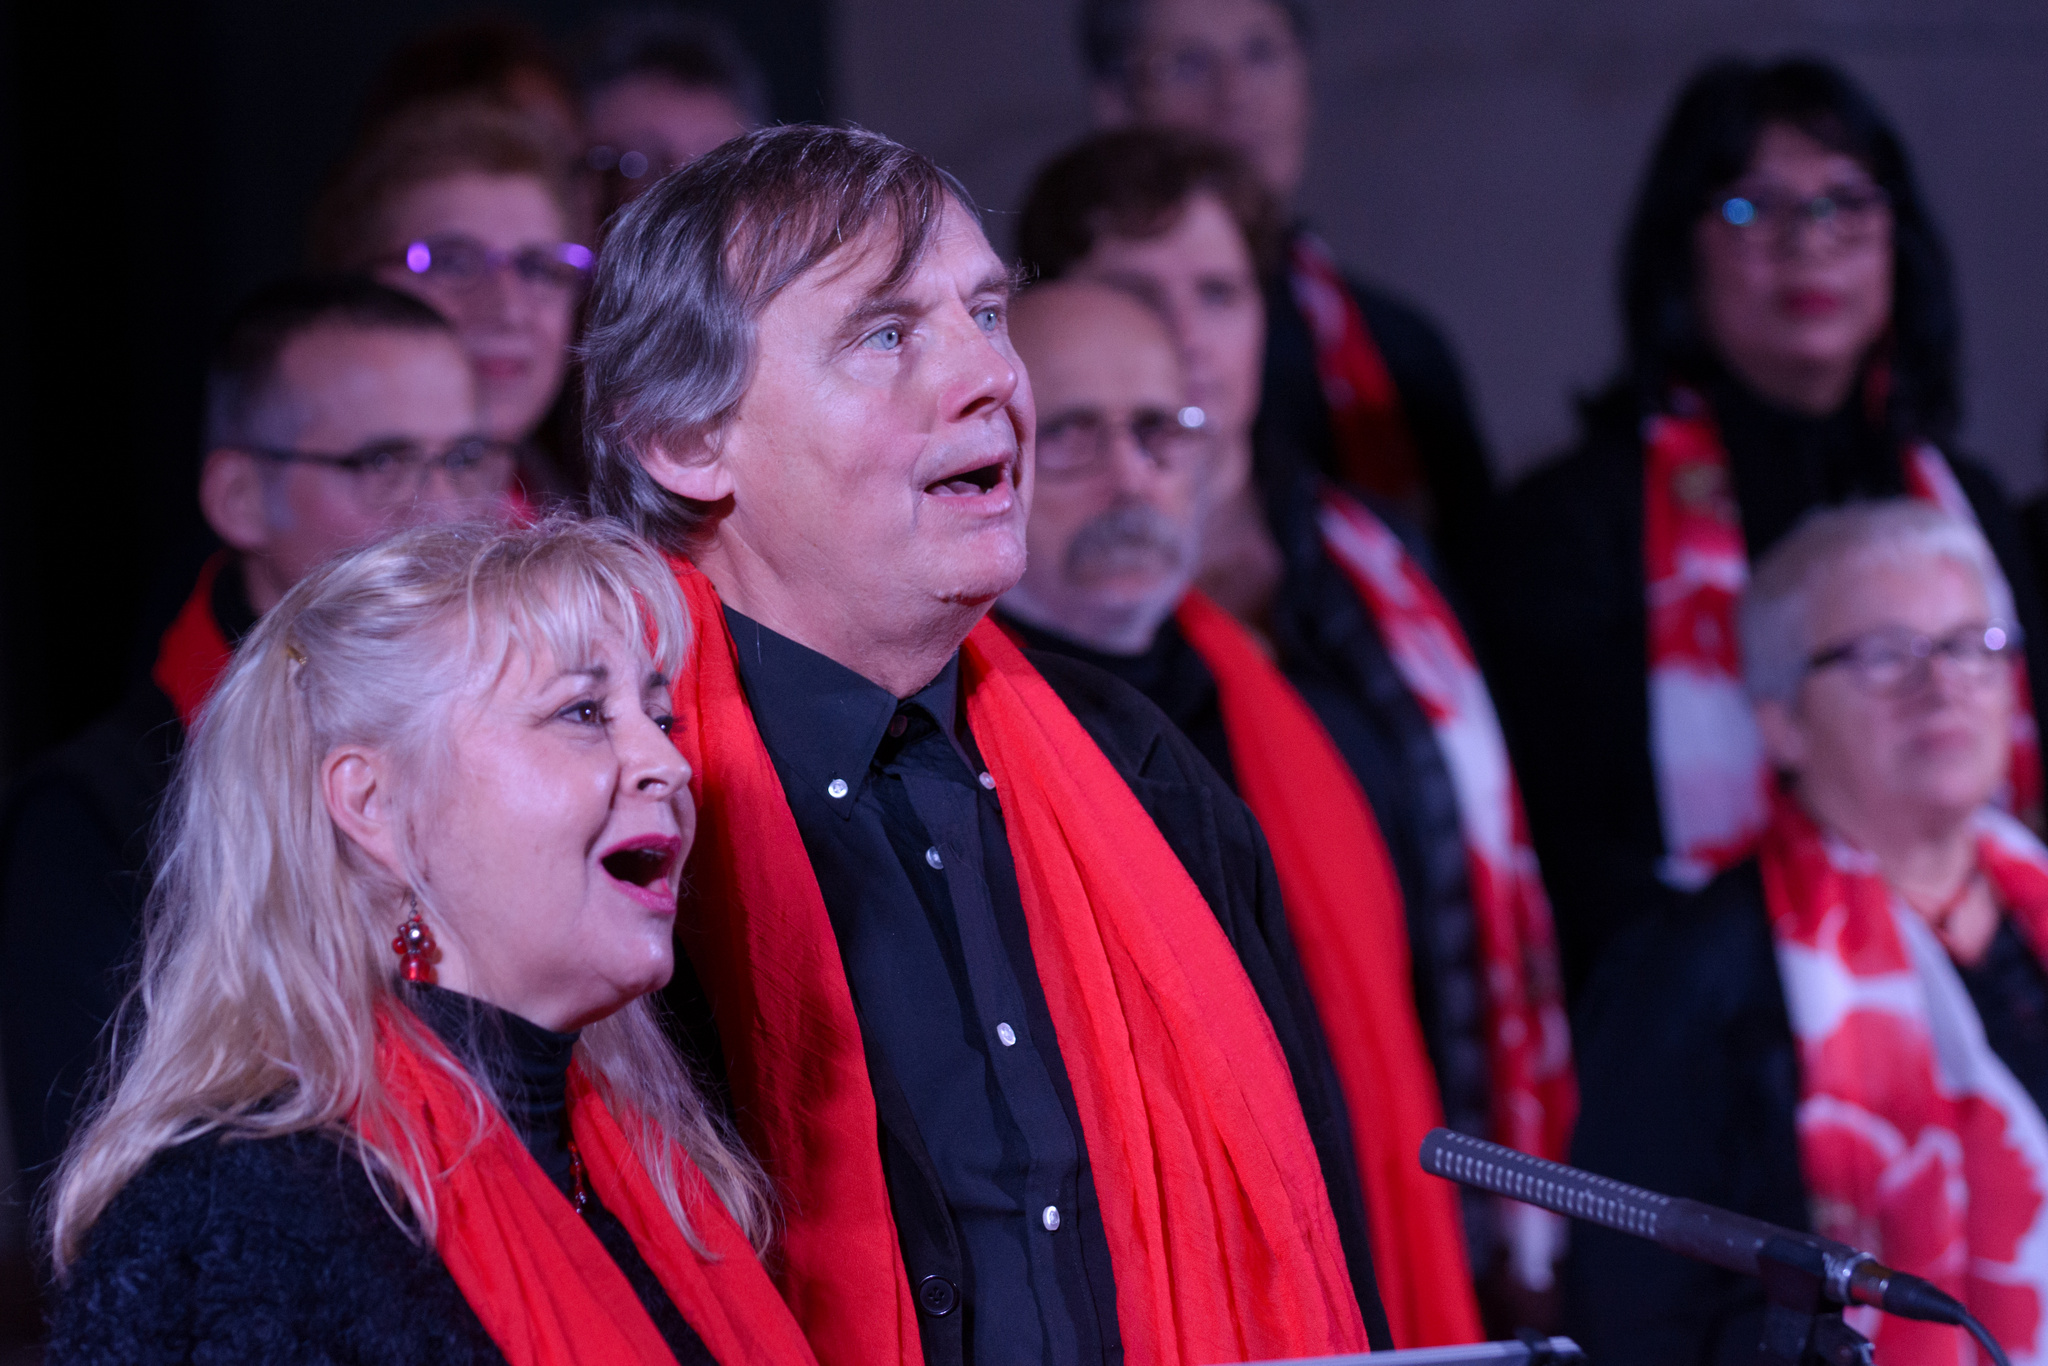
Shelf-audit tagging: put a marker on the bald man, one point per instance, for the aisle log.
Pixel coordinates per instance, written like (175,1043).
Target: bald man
(1125,473)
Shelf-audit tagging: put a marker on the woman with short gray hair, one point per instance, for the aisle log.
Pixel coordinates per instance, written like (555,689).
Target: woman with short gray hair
(1849,1031)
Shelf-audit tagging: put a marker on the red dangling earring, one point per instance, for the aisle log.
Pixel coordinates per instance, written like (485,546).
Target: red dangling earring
(415,945)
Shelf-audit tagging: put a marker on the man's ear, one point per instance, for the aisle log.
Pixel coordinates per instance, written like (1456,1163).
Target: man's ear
(690,466)
(1784,738)
(354,784)
(1111,103)
(231,496)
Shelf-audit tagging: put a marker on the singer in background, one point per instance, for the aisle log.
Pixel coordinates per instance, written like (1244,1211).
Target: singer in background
(1848,1032)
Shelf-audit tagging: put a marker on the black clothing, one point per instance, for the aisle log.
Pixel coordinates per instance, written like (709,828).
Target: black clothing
(916,873)
(1565,621)
(938,958)
(73,844)
(2010,990)
(1330,648)
(277,1249)
(527,1069)
(1434,404)
(1689,1085)
(1176,679)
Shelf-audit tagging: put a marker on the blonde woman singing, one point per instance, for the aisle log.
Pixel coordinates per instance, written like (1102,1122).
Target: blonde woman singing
(391,1088)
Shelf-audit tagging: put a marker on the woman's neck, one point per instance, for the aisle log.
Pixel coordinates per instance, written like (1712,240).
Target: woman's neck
(1241,562)
(1923,859)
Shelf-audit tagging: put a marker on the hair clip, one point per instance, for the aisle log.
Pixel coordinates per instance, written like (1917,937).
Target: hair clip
(294,653)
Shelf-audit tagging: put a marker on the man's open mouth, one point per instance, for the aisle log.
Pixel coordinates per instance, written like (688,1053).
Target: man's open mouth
(981,479)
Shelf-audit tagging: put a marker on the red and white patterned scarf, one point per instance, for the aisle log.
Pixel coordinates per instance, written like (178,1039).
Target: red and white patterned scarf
(1534,1091)
(1712,780)
(1374,449)
(1916,1142)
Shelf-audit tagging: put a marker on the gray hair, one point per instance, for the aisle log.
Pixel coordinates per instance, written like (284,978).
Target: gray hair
(1772,620)
(689,266)
(1110,30)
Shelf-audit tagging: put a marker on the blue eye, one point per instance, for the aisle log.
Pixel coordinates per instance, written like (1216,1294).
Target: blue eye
(1739,211)
(990,318)
(886,339)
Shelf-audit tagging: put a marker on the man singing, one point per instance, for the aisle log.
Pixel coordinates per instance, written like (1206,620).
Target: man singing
(998,965)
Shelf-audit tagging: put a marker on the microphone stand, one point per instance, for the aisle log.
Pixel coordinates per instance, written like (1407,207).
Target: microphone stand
(1806,1279)
(1802,1325)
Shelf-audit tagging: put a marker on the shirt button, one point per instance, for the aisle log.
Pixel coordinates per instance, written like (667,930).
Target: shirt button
(1051,1218)
(988,780)
(937,1296)
(1006,1034)
(836,789)
(931,856)
(898,724)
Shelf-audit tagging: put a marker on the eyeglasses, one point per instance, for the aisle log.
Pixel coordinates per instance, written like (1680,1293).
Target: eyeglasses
(1847,216)
(1892,659)
(389,473)
(1078,446)
(464,263)
(1198,66)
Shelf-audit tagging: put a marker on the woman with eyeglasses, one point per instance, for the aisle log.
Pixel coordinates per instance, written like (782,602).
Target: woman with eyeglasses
(1847,1031)
(472,209)
(1790,333)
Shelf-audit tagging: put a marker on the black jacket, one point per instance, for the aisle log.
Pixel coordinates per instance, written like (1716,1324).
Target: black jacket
(1563,613)
(73,853)
(1689,1085)
(1434,404)
(1216,839)
(278,1249)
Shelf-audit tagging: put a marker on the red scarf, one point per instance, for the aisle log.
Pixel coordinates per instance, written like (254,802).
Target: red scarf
(1916,1142)
(1344,908)
(1374,449)
(194,652)
(1535,1095)
(1712,779)
(544,1287)
(1213,1206)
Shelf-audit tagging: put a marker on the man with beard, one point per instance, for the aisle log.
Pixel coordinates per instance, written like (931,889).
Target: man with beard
(996,966)
(1125,471)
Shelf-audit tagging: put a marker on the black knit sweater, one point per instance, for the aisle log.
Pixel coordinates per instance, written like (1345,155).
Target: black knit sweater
(279,1250)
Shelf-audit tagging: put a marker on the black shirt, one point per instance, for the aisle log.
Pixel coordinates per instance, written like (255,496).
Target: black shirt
(907,840)
(526,1068)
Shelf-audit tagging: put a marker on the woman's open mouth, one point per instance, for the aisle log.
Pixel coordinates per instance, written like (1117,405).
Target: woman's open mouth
(644,868)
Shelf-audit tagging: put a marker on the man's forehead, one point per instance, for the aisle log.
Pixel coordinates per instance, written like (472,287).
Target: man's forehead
(872,263)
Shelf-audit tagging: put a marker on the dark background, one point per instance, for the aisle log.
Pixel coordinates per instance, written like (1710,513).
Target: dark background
(158,161)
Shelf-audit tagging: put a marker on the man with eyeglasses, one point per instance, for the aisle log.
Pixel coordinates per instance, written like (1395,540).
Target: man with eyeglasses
(337,410)
(1361,381)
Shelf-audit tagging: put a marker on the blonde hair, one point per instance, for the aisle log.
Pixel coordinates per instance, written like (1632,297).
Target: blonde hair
(267,961)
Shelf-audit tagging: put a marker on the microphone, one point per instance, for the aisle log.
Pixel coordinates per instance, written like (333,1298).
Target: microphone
(1686,1227)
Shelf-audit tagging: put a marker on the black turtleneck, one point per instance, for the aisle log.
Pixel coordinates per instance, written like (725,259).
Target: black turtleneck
(1784,464)
(526,1067)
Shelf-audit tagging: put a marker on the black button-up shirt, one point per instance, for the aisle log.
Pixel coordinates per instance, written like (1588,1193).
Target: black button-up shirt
(905,833)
